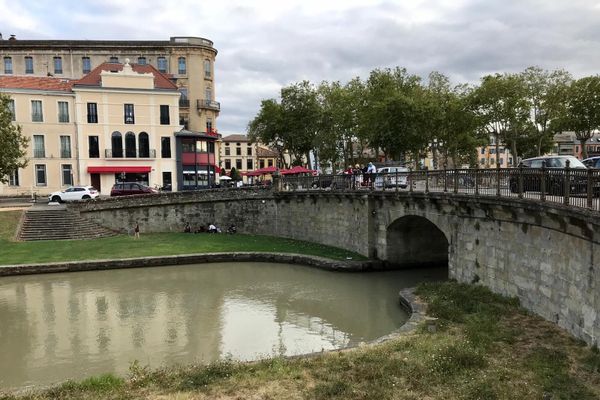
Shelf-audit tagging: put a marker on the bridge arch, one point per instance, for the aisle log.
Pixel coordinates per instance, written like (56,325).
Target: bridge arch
(413,240)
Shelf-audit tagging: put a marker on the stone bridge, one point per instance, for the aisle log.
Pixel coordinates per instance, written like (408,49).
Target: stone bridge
(543,253)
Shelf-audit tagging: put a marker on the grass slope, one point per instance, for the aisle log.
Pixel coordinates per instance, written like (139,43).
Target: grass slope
(156,244)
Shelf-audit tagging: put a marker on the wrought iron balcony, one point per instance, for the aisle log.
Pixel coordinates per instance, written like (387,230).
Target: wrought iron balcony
(209,105)
(137,153)
(184,103)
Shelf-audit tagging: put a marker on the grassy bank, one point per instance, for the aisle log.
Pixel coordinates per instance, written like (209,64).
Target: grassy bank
(481,346)
(156,244)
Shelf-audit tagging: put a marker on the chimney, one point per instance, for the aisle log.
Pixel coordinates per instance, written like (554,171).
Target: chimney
(12,37)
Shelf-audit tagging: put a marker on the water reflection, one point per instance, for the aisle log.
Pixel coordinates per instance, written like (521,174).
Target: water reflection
(60,326)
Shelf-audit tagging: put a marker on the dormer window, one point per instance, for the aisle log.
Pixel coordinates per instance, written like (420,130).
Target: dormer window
(114,60)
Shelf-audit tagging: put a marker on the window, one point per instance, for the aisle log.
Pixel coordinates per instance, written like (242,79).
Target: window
(113,59)
(249,150)
(8,65)
(209,127)
(36,111)
(141,60)
(116,141)
(227,163)
(40,175)
(207,69)
(227,151)
(238,151)
(39,150)
(29,65)
(501,160)
(11,110)
(67,175)
(86,65)
(164,115)
(270,162)
(261,163)
(63,111)
(181,69)
(144,143)
(249,165)
(165,147)
(167,181)
(92,113)
(483,150)
(492,161)
(208,94)
(501,150)
(161,63)
(58,65)
(482,162)
(130,145)
(492,151)
(238,164)
(13,178)
(93,147)
(129,114)
(510,161)
(65,147)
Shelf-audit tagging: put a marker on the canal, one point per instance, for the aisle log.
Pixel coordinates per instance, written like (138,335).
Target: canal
(56,327)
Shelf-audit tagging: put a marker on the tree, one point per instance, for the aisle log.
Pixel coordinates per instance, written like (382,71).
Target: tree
(234,174)
(546,94)
(502,109)
(268,127)
(12,143)
(581,113)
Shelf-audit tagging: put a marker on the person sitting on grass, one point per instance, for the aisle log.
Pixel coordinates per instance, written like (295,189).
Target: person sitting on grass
(212,228)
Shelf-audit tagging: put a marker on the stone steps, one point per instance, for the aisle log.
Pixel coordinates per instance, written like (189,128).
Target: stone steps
(59,224)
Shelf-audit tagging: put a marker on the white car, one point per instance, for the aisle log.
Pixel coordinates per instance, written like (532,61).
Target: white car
(392,177)
(74,193)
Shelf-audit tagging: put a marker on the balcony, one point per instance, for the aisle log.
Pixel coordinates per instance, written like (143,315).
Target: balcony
(184,103)
(209,105)
(139,153)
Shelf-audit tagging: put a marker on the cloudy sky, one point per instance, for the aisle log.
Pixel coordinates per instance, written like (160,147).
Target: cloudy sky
(266,44)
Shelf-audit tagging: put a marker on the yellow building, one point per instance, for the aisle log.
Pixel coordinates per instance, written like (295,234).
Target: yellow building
(116,123)
(189,61)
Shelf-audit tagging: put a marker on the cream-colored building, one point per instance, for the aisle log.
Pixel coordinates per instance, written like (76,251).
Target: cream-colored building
(189,61)
(237,152)
(116,123)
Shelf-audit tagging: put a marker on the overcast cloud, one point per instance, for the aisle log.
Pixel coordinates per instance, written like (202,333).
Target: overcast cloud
(264,45)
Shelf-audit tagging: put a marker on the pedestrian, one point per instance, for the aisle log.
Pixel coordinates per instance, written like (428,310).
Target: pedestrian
(136,231)
(187,228)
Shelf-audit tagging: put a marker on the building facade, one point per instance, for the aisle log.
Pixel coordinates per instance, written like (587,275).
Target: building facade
(237,152)
(189,61)
(117,123)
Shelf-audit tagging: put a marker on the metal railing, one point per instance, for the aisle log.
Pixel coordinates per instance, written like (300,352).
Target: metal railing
(569,186)
(110,153)
(209,104)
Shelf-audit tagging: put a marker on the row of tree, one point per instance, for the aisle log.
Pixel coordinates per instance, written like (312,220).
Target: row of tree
(404,117)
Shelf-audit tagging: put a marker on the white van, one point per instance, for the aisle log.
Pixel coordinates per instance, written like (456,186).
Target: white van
(392,177)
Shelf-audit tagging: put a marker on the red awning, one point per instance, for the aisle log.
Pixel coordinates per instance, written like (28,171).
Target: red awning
(118,169)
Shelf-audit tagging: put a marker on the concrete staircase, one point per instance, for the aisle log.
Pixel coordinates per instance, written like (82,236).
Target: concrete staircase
(57,223)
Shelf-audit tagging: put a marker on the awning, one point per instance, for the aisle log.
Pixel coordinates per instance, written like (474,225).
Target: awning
(117,169)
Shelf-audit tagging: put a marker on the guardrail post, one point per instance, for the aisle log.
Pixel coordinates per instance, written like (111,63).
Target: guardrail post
(543,182)
(455,180)
(445,179)
(520,182)
(590,188)
(477,179)
(497,178)
(410,174)
(567,183)
(397,180)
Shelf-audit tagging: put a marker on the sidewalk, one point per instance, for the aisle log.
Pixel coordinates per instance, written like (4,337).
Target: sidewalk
(15,203)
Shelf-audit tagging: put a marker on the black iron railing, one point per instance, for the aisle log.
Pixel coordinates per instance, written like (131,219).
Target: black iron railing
(137,153)
(569,186)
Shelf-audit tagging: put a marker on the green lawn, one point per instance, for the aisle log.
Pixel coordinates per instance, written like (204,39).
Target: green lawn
(156,244)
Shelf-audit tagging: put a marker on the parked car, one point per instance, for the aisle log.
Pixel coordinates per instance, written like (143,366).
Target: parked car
(392,177)
(74,193)
(592,162)
(130,188)
(555,175)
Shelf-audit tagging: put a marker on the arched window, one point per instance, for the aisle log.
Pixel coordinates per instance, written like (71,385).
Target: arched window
(144,142)
(130,145)
(117,144)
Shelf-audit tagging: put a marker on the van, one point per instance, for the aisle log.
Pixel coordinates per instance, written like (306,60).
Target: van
(392,177)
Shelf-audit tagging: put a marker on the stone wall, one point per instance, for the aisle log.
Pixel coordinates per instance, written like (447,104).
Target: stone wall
(544,254)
